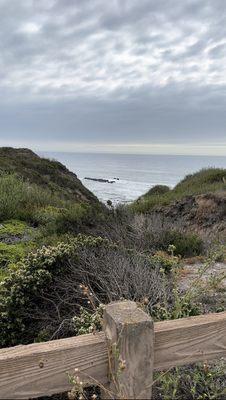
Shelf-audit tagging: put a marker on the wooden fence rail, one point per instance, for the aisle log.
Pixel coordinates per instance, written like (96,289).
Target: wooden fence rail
(130,342)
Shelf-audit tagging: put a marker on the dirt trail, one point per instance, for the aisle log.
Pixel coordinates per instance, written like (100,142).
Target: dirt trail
(215,274)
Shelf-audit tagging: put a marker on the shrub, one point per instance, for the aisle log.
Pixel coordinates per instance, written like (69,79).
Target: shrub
(20,289)
(11,253)
(14,228)
(37,205)
(198,381)
(16,240)
(45,174)
(46,215)
(74,218)
(12,195)
(186,244)
(204,181)
(157,190)
(19,199)
(40,296)
(87,321)
(167,262)
(70,218)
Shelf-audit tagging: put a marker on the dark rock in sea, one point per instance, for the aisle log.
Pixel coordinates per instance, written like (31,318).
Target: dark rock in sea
(99,180)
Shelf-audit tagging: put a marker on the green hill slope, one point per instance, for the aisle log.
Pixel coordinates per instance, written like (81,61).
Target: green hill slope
(40,202)
(46,173)
(210,180)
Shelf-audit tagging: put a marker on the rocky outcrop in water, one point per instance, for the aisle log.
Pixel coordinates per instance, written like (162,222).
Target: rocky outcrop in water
(99,180)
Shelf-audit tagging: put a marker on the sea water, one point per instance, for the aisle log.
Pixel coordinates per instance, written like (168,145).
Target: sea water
(133,174)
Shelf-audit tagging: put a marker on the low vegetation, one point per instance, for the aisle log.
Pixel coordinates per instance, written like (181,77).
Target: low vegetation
(63,255)
(47,174)
(205,181)
(31,215)
(49,282)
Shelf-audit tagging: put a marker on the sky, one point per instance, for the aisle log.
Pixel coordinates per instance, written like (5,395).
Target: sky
(129,76)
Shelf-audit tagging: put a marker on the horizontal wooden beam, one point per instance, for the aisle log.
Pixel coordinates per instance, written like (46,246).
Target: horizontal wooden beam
(41,369)
(188,340)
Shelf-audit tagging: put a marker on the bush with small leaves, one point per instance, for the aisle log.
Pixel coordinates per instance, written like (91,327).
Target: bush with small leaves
(21,290)
(167,262)
(87,321)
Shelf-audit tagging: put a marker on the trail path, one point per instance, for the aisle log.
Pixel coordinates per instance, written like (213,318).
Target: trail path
(215,273)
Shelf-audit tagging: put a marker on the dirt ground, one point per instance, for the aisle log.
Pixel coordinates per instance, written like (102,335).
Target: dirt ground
(215,275)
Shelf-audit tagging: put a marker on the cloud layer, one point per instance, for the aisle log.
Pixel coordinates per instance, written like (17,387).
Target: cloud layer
(127,71)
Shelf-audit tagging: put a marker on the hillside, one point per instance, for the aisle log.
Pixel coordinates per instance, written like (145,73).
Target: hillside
(63,256)
(46,173)
(41,202)
(201,212)
(211,180)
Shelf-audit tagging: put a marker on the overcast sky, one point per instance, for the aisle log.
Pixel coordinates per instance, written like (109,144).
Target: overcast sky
(120,75)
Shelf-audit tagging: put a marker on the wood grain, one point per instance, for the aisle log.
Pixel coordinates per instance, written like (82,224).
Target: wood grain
(188,340)
(130,334)
(41,369)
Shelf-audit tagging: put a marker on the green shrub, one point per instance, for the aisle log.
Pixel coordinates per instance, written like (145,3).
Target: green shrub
(157,190)
(19,199)
(14,228)
(16,240)
(74,217)
(200,381)
(37,205)
(46,215)
(88,322)
(21,288)
(205,177)
(12,195)
(166,261)
(55,273)
(11,253)
(204,181)
(186,244)
(70,218)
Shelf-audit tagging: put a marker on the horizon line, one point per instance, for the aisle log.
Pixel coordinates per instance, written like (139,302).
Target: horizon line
(158,149)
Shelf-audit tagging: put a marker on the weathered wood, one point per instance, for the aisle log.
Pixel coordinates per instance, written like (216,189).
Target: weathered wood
(188,340)
(41,369)
(130,335)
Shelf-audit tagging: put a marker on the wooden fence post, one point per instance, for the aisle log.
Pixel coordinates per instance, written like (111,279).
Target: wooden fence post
(130,336)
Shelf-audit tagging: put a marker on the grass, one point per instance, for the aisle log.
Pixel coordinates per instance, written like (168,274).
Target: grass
(11,253)
(25,206)
(186,244)
(17,239)
(19,199)
(13,228)
(204,181)
(202,381)
(45,173)
(28,202)
(41,202)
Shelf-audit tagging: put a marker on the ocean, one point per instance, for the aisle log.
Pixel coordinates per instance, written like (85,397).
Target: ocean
(133,174)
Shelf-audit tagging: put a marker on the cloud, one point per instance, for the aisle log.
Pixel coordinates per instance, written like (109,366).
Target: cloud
(132,71)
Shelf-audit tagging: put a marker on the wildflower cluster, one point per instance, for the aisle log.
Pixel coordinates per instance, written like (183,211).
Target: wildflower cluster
(88,322)
(78,387)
